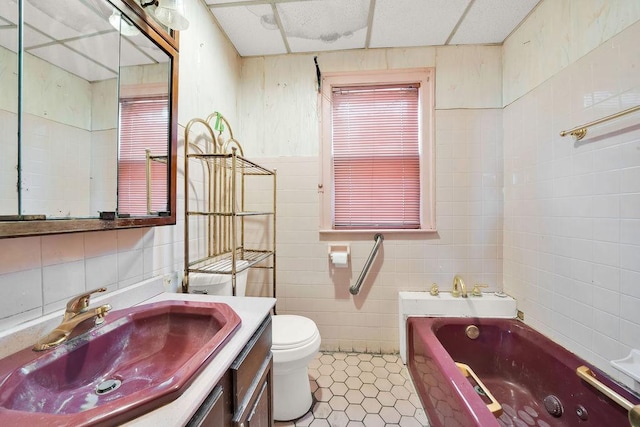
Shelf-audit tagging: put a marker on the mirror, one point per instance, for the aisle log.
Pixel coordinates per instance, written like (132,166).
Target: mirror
(89,123)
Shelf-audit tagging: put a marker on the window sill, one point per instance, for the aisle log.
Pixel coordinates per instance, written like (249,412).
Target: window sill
(390,233)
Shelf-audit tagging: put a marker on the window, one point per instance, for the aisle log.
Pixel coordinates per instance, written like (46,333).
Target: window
(148,117)
(377,171)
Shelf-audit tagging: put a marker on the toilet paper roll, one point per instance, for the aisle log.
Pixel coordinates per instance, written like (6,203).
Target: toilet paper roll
(340,259)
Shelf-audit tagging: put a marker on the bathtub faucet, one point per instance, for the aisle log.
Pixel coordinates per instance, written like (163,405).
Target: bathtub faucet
(459,288)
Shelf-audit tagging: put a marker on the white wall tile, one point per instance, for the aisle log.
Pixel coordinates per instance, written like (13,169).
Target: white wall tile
(20,254)
(20,292)
(62,281)
(130,266)
(101,271)
(100,243)
(61,248)
(590,269)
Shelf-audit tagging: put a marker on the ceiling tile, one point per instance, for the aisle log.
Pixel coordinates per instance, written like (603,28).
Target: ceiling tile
(491,21)
(318,25)
(75,63)
(355,41)
(142,43)
(130,55)
(251,29)
(32,37)
(9,11)
(104,48)
(64,19)
(225,1)
(9,38)
(402,23)
(107,50)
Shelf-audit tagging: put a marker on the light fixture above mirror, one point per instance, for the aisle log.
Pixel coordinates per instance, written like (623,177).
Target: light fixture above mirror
(123,25)
(169,13)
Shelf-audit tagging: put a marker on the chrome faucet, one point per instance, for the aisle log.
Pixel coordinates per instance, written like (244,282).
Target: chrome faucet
(459,288)
(77,312)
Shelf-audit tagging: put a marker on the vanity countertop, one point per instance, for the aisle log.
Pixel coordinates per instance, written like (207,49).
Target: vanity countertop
(252,311)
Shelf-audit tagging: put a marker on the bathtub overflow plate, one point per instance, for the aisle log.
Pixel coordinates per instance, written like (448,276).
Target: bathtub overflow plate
(472,332)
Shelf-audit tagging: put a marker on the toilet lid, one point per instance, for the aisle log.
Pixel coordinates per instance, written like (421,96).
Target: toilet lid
(291,331)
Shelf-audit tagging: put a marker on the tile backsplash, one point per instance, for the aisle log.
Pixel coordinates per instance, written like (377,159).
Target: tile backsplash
(39,274)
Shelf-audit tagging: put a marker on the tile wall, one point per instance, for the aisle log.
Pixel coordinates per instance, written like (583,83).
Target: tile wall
(279,127)
(572,209)
(8,172)
(56,166)
(54,139)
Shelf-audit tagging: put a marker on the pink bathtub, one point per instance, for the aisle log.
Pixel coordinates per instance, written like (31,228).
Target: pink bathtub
(532,379)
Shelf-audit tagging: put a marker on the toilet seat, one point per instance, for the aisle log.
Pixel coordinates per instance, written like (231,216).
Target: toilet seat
(292,332)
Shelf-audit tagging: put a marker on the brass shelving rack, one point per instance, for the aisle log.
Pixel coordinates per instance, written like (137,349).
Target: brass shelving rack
(220,195)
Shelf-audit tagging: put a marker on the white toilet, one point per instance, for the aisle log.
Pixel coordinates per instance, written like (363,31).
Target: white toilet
(296,341)
(220,284)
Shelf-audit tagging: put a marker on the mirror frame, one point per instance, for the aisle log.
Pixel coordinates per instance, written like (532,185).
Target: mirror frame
(169,42)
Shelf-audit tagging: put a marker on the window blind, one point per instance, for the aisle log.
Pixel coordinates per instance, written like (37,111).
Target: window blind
(143,125)
(376,157)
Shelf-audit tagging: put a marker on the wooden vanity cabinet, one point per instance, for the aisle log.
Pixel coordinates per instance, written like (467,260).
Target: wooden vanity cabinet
(216,409)
(244,395)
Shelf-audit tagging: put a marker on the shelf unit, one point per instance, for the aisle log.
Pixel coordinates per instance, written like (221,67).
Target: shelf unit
(216,216)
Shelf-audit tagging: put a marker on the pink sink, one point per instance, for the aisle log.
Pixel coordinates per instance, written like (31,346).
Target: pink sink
(139,359)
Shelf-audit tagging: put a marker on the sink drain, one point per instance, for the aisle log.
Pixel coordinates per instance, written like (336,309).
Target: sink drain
(107,386)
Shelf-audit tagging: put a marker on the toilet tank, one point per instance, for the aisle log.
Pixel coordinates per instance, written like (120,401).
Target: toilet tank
(220,284)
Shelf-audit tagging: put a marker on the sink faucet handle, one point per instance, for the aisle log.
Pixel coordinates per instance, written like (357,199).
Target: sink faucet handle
(434,289)
(80,303)
(476,291)
(100,313)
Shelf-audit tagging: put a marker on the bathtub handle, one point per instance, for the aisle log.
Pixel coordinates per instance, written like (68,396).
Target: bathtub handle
(494,406)
(634,410)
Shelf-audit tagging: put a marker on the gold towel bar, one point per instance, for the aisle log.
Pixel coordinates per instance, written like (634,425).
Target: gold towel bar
(580,131)
(634,410)
(494,406)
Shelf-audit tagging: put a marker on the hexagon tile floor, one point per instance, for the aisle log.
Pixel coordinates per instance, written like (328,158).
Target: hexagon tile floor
(359,389)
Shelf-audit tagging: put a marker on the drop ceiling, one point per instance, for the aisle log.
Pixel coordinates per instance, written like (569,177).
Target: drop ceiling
(271,27)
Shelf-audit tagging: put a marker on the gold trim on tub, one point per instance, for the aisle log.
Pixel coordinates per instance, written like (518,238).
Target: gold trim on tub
(494,406)
(589,376)
(580,132)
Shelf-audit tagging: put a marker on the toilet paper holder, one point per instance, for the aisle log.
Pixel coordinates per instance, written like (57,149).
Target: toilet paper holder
(339,254)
